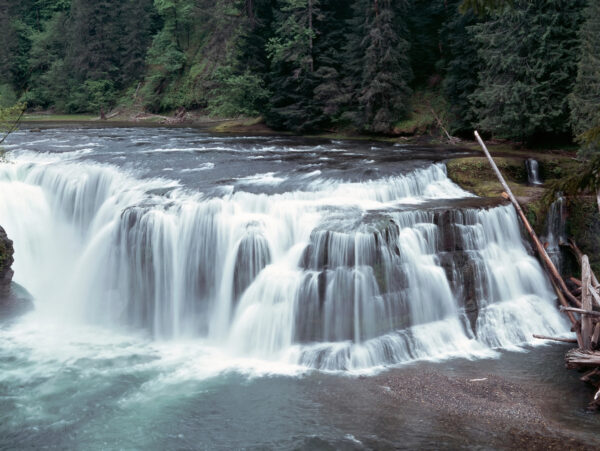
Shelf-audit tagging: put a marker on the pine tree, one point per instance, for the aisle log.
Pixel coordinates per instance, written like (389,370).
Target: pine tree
(585,99)
(461,66)
(425,21)
(379,67)
(330,93)
(529,56)
(292,78)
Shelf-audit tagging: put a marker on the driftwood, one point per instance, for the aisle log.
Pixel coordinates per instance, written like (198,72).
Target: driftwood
(563,340)
(580,311)
(595,295)
(577,358)
(596,336)
(451,139)
(579,255)
(586,303)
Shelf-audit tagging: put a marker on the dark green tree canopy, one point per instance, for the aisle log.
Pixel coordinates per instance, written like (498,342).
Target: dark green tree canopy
(520,69)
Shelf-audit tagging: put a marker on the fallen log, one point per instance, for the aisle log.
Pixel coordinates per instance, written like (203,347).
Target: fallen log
(579,256)
(578,358)
(595,295)
(575,281)
(596,336)
(564,340)
(586,377)
(586,303)
(580,311)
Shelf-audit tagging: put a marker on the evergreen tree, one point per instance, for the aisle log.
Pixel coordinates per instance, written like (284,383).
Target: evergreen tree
(585,99)
(292,78)
(529,56)
(330,93)
(380,73)
(461,66)
(241,83)
(425,20)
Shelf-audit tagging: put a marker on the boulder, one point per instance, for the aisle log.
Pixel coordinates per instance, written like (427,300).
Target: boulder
(14,299)
(6,261)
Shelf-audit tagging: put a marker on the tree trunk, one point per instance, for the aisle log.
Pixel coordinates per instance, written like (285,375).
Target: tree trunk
(586,303)
(310,39)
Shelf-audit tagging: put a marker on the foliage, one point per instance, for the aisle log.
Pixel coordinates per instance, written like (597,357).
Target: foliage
(462,65)
(482,7)
(528,55)
(379,64)
(585,180)
(585,98)
(505,66)
(236,95)
(9,119)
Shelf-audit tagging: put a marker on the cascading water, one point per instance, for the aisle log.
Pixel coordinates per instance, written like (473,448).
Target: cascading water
(334,274)
(533,172)
(556,229)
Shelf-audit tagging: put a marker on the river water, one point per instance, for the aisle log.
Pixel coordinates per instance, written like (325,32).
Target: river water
(198,291)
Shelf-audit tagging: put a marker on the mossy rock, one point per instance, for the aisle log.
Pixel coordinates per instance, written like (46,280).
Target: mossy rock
(476,175)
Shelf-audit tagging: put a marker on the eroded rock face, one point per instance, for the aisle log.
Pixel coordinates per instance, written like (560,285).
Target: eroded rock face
(6,261)
(14,299)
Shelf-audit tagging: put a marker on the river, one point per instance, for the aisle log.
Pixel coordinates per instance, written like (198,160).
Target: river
(200,291)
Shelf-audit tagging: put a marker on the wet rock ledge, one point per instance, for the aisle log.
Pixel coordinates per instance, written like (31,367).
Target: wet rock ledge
(14,299)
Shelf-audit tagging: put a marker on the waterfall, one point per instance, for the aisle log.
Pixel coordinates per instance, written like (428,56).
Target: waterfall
(533,172)
(338,275)
(555,233)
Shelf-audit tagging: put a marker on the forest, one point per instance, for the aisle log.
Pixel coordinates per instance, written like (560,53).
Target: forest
(525,70)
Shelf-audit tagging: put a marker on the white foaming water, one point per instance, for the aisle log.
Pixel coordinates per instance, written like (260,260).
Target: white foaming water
(331,277)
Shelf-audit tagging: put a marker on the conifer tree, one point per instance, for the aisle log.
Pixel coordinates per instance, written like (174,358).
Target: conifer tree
(529,56)
(378,58)
(585,99)
(461,66)
(425,20)
(330,93)
(291,51)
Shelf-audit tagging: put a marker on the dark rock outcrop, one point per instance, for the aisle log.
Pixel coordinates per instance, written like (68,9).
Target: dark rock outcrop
(6,261)
(14,299)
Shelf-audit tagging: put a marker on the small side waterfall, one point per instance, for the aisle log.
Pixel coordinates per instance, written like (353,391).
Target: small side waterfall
(555,233)
(340,275)
(533,172)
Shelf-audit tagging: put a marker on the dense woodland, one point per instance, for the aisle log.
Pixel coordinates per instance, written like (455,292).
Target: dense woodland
(525,70)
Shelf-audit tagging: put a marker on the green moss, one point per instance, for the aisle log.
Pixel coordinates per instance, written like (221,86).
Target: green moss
(421,119)
(247,125)
(58,117)
(476,175)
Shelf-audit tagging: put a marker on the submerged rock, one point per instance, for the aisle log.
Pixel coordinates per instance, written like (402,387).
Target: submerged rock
(14,299)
